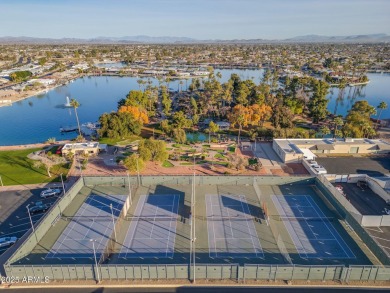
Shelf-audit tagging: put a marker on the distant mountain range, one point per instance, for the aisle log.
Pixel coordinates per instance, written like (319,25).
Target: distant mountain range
(372,38)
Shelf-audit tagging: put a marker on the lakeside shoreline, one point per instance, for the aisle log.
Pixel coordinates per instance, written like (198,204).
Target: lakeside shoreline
(32,93)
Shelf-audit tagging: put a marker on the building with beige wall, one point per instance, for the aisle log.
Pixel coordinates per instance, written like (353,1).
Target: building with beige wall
(84,148)
(293,150)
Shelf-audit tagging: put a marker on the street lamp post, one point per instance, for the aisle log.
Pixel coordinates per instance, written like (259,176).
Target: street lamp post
(128,179)
(32,224)
(139,181)
(113,221)
(96,264)
(29,215)
(63,185)
(194,228)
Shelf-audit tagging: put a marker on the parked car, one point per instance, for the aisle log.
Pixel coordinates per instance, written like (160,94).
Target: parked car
(39,207)
(7,241)
(51,192)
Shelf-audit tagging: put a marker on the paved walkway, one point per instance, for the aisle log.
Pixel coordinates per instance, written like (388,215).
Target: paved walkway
(68,183)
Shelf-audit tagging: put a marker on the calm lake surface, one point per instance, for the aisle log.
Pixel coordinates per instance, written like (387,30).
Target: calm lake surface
(38,118)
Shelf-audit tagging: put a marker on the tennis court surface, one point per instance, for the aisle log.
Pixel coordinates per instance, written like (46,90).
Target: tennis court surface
(152,229)
(94,220)
(231,231)
(312,233)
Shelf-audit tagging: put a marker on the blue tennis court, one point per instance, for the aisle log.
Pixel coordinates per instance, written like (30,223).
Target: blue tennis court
(93,220)
(230,226)
(152,229)
(313,234)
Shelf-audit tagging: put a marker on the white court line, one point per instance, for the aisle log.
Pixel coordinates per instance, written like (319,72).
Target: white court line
(326,224)
(314,234)
(214,238)
(89,229)
(234,238)
(154,221)
(281,211)
(64,237)
(230,222)
(247,224)
(146,238)
(170,223)
(138,209)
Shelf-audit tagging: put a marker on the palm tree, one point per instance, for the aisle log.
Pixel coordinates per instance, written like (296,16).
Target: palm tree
(382,106)
(75,104)
(338,121)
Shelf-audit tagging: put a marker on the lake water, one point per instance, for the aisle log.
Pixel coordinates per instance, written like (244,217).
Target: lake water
(38,118)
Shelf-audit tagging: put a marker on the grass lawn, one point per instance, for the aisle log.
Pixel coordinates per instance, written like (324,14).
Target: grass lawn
(179,145)
(119,141)
(186,164)
(16,169)
(232,149)
(219,156)
(167,164)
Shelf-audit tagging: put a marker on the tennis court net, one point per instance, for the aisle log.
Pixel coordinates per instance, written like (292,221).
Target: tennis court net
(88,219)
(305,219)
(230,218)
(153,218)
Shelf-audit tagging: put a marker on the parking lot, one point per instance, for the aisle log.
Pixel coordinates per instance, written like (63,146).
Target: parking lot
(372,166)
(364,199)
(14,217)
(382,236)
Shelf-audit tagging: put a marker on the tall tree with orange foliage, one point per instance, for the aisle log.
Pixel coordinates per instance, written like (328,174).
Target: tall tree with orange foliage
(240,116)
(260,113)
(138,113)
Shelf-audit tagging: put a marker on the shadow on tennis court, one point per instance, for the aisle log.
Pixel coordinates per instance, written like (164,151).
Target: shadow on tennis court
(240,206)
(154,199)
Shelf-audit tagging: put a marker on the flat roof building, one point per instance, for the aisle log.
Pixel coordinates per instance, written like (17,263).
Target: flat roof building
(86,148)
(291,150)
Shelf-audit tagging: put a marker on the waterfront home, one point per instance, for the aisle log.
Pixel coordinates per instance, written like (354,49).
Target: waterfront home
(84,148)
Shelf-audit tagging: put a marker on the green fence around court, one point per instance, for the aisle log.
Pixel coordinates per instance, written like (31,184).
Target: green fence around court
(27,243)
(348,218)
(316,273)
(234,272)
(199,179)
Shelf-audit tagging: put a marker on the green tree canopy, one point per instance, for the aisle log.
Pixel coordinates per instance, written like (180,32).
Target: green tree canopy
(156,150)
(134,163)
(119,125)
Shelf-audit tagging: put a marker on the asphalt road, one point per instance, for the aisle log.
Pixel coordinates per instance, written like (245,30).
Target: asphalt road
(14,218)
(204,289)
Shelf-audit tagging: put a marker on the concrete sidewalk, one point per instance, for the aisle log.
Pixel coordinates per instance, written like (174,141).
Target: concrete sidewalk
(68,183)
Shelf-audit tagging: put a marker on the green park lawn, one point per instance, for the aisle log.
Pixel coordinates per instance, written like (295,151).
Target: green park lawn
(167,164)
(16,169)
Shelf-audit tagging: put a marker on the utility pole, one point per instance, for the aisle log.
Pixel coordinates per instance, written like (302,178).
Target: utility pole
(96,264)
(63,185)
(128,179)
(113,222)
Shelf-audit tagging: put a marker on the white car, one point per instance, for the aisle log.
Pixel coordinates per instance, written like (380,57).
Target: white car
(7,241)
(50,192)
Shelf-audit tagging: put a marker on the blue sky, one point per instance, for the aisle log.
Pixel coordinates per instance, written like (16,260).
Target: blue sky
(200,19)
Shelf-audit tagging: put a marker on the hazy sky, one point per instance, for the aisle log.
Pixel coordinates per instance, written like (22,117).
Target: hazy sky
(201,19)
